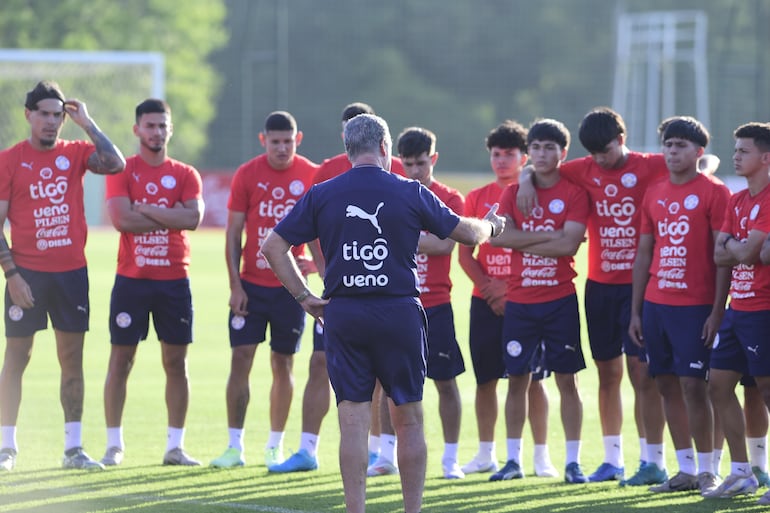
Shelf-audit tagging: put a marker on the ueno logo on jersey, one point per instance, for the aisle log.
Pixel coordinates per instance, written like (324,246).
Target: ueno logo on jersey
(372,256)
(622,212)
(53,191)
(276,210)
(674,230)
(549,225)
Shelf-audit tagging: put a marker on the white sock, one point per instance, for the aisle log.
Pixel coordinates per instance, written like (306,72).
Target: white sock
(573,451)
(72,435)
(9,437)
(388,447)
(613,450)
(542,457)
(706,462)
(686,460)
(717,461)
(655,454)
(642,449)
(487,451)
(236,438)
(514,449)
(450,453)
(309,442)
(740,468)
(275,439)
(115,437)
(758,452)
(374,444)
(175,438)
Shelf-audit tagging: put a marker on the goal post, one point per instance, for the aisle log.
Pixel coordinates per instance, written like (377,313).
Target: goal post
(111,83)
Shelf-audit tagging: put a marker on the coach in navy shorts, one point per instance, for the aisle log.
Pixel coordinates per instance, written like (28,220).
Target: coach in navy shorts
(368,223)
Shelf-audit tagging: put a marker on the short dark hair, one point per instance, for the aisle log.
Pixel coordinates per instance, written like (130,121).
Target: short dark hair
(684,127)
(508,134)
(280,120)
(152,106)
(415,141)
(600,127)
(548,130)
(43,90)
(759,132)
(354,109)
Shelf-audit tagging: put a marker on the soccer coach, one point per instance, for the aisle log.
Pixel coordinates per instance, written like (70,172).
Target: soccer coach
(368,222)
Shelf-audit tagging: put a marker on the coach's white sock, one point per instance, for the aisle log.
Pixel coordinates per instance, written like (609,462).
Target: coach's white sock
(72,435)
(514,449)
(9,437)
(115,437)
(758,452)
(309,442)
(236,438)
(175,438)
(613,450)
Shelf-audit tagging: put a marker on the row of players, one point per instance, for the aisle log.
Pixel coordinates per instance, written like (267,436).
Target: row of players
(157,198)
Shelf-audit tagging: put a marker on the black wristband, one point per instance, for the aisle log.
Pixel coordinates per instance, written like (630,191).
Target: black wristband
(493,235)
(724,244)
(11,272)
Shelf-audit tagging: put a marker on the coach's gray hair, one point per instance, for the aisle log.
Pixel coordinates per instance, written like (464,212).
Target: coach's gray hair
(364,133)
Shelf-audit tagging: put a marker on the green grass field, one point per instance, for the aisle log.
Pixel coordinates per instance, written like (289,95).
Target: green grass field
(142,484)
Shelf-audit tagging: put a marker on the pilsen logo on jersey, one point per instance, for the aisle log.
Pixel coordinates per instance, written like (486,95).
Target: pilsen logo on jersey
(151,248)
(540,271)
(673,253)
(619,237)
(371,255)
(277,206)
(742,284)
(52,220)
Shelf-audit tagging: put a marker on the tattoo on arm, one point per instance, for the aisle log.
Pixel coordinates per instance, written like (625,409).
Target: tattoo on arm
(107,159)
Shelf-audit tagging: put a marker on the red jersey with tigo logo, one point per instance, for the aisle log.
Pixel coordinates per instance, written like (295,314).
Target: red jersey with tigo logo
(750,284)
(161,254)
(44,190)
(337,165)
(433,270)
(682,219)
(265,195)
(495,262)
(538,279)
(616,197)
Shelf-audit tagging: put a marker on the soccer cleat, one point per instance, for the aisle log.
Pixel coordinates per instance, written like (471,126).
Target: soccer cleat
(765,499)
(76,458)
(762,478)
(232,457)
(733,485)
(707,483)
(479,464)
(511,470)
(273,456)
(648,474)
(381,467)
(373,455)
(300,461)
(112,457)
(607,472)
(452,470)
(7,459)
(177,456)
(574,474)
(681,482)
(546,469)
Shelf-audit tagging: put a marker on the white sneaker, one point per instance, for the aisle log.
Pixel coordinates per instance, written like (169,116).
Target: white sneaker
(732,486)
(452,470)
(381,467)
(480,464)
(545,469)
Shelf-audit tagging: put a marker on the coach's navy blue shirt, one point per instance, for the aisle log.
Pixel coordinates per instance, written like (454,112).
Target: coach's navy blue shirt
(368,222)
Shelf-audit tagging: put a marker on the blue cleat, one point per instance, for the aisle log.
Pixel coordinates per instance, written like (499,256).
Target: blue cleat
(574,474)
(373,455)
(762,478)
(300,461)
(607,472)
(648,474)
(511,470)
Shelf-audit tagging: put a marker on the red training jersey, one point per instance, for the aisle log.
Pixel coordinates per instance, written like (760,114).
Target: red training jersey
(616,198)
(535,278)
(44,191)
(433,270)
(161,254)
(337,165)
(682,219)
(265,195)
(495,262)
(750,284)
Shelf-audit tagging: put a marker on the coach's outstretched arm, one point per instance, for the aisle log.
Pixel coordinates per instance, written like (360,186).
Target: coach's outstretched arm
(472,231)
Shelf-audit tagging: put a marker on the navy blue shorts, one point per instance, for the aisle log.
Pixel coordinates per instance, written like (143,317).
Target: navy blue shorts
(741,343)
(318,336)
(132,302)
(485,340)
(540,369)
(608,314)
(63,296)
(445,361)
(555,324)
(273,305)
(672,336)
(376,338)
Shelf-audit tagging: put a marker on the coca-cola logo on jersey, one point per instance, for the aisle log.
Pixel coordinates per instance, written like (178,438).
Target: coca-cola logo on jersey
(47,233)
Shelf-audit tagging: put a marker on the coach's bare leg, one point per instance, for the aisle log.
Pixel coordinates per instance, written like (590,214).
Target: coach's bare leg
(354,430)
(449,409)
(538,412)
(487,407)
(517,405)
(610,404)
(675,409)
(69,349)
(721,389)
(412,452)
(238,391)
(282,390)
(177,383)
(17,355)
(315,401)
(571,405)
(115,385)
